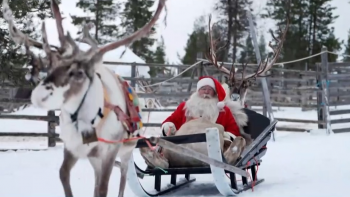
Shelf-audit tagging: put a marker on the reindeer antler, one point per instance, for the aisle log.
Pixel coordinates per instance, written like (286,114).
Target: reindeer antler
(211,56)
(136,35)
(63,56)
(86,35)
(263,66)
(245,80)
(17,36)
(57,15)
(20,38)
(125,41)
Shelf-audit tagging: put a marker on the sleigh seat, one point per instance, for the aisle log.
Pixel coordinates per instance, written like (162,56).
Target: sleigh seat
(259,127)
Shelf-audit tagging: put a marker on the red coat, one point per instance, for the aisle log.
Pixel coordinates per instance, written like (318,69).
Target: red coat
(225,119)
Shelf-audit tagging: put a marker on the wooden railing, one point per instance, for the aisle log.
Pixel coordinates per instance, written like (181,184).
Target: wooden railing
(53,121)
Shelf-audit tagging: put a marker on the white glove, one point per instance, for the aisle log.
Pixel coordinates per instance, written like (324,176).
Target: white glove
(168,127)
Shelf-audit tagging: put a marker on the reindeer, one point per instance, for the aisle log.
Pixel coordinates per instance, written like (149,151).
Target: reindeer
(239,86)
(236,88)
(73,84)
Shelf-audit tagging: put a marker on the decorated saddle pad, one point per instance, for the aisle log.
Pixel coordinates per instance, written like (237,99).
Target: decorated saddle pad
(132,105)
(133,121)
(106,110)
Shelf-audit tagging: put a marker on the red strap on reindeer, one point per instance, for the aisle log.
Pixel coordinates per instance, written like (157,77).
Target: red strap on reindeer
(131,117)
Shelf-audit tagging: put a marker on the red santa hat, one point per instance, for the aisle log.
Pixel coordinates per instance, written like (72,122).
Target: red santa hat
(215,84)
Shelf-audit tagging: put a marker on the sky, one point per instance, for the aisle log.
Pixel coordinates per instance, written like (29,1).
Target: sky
(181,15)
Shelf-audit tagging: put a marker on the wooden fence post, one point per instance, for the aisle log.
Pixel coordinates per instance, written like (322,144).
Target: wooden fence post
(133,74)
(303,98)
(319,95)
(51,123)
(325,89)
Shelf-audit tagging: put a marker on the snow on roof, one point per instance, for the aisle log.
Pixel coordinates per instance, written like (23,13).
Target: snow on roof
(128,57)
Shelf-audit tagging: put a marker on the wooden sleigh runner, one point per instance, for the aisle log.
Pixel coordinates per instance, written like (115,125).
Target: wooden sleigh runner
(259,127)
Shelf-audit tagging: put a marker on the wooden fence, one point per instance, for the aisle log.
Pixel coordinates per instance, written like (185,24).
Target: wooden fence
(288,88)
(53,121)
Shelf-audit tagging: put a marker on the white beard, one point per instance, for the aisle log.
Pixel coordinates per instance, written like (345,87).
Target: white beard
(206,108)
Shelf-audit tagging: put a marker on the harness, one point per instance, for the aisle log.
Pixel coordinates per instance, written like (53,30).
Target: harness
(74,116)
(131,120)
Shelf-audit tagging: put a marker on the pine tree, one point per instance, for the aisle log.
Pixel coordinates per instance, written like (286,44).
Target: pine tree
(12,58)
(321,15)
(234,21)
(346,54)
(309,30)
(159,54)
(105,13)
(159,58)
(191,51)
(198,42)
(296,43)
(248,52)
(333,44)
(135,15)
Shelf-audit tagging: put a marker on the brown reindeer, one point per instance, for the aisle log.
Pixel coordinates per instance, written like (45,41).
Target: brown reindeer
(235,87)
(239,86)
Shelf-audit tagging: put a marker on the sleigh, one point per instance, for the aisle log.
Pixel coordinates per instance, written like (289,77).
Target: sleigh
(259,127)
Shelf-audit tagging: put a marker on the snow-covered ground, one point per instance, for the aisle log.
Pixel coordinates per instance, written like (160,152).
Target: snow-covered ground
(296,164)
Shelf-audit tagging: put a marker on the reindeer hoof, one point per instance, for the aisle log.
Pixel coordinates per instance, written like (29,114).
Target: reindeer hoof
(89,136)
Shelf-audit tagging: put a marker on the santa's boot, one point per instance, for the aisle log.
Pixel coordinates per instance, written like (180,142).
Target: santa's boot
(234,150)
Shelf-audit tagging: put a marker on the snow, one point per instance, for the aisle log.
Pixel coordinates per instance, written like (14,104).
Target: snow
(296,164)
(18,142)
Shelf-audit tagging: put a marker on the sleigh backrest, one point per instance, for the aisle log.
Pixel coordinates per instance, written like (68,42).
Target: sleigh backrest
(256,123)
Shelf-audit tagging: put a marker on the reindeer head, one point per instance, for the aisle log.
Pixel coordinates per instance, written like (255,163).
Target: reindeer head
(70,70)
(238,85)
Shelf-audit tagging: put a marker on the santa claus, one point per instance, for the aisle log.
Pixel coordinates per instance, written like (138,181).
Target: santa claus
(208,103)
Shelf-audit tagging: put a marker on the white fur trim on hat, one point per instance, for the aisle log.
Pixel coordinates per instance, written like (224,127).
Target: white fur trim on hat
(205,82)
(221,104)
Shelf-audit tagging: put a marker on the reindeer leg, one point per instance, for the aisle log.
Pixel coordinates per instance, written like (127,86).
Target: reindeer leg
(68,163)
(125,155)
(123,171)
(96,164)
(106,170)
